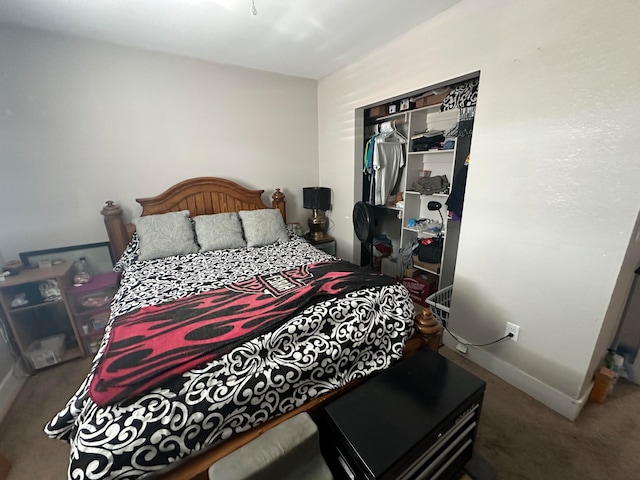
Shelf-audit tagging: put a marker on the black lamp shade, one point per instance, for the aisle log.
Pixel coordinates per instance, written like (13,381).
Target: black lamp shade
(316,197)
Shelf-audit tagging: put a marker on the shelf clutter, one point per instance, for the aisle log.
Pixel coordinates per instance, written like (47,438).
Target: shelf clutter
(428,137)
(50,319)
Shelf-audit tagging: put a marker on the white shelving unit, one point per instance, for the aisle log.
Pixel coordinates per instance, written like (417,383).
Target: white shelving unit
(394,222)
(438,162)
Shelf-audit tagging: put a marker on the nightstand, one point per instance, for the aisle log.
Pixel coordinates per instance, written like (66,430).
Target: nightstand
(327,244)
(39,315)
(91,306)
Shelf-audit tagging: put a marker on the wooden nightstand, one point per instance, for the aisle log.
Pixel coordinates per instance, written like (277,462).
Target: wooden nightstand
(90,305)
(327,244)
(42,327)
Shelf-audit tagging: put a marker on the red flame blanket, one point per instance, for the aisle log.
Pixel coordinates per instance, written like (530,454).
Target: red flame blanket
(150,345)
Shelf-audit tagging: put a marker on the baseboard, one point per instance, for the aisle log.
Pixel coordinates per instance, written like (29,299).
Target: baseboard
(9,389)
(562,403)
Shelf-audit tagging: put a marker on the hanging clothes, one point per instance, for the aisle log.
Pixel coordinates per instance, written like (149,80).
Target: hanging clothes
(455,201)
(388,158)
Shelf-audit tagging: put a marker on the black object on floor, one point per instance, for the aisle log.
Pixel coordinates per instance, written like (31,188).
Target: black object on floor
(417,419)
(478,468)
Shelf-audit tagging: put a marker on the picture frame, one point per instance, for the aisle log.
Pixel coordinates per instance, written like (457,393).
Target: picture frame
(98,255)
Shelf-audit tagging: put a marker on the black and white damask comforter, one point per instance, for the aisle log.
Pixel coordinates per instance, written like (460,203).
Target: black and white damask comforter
(325,347)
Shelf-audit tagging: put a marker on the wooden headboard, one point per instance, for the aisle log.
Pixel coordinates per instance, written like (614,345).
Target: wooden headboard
(201,196)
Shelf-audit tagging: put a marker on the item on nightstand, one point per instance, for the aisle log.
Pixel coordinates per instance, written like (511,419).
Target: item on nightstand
(19,300)
(93,346)
(45,352)
(83,273)
(13,267)
(99,321)
(49,291)
(95,300)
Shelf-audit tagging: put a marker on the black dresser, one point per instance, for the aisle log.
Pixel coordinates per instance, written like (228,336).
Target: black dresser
(416,420)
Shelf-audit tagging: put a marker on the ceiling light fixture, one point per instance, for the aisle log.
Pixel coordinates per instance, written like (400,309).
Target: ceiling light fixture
(253,10)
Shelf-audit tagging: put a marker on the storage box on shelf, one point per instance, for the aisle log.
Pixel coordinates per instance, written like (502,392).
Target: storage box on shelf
(433,99)
(90,304)
(45,352)
(421,287)
(39,316)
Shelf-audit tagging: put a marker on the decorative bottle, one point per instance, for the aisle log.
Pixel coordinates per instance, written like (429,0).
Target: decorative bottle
(83,272)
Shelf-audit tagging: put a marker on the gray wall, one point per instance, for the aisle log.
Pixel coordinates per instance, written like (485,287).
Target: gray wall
(82,122)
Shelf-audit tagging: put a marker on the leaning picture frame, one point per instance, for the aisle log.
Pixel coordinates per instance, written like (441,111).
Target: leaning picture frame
(98,255)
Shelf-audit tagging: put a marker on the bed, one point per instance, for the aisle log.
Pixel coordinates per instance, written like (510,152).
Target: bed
(315,350)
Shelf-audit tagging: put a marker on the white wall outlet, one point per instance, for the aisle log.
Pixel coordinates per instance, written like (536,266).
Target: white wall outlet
(461,347)
(514,330)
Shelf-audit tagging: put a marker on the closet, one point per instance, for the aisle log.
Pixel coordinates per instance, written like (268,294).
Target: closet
(433,128)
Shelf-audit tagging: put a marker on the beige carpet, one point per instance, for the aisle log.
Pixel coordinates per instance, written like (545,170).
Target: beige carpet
(524,440)
(520,437)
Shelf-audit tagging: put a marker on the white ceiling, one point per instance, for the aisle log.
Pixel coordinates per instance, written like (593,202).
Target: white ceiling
(307,38)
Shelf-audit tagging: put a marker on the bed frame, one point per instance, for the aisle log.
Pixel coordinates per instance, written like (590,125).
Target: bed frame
(209,195)
(201,196)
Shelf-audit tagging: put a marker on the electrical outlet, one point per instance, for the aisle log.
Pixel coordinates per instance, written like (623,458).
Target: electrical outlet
(514,330)
(461,347)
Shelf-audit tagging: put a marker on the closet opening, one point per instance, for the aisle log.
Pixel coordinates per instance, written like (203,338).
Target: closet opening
(412,155)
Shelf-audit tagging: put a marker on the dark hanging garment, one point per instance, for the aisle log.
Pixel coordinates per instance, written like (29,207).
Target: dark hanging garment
(456,198)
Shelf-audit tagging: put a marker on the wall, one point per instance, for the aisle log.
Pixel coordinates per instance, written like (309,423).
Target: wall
(552,191)
(82,122)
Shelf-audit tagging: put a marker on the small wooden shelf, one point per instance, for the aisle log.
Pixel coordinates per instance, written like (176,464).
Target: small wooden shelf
(40,319)
(33,306)
(102,285)
(72,353)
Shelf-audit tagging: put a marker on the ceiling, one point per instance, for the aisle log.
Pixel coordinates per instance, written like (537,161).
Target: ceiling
(307,38)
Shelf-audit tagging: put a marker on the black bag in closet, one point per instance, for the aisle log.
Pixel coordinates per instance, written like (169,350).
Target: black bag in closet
(430,249)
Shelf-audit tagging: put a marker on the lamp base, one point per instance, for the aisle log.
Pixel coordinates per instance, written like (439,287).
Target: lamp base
(315,238)
(318,224)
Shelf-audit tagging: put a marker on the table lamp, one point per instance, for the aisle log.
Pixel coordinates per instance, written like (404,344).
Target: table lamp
(317,199)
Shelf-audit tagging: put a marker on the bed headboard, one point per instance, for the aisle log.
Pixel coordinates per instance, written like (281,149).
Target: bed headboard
(201,196)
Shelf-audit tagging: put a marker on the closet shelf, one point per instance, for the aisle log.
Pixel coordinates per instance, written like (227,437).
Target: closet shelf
(389,207)
(433,152)
(414,192)
(425,233)
(423,269)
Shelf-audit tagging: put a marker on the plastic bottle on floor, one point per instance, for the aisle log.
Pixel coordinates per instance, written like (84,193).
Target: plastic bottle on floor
(618,366)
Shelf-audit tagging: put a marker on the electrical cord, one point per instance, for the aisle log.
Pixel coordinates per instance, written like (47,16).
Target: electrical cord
(509,335)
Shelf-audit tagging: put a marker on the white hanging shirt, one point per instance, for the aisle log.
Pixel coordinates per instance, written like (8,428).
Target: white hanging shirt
(387,161)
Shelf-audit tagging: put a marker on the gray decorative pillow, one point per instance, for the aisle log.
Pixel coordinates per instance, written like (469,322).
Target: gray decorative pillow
(263,227)
(222,230)
(164,235)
